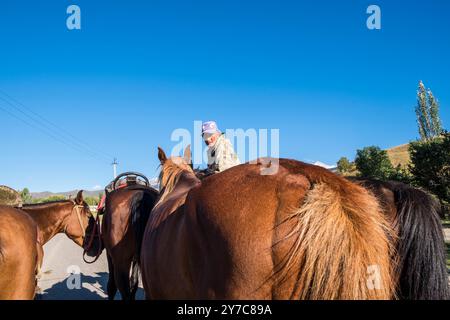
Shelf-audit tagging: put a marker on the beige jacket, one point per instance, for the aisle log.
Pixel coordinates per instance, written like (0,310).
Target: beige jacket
(221,156)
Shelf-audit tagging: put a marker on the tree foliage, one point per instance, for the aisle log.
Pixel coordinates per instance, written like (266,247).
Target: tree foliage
(345,166)
(427,112)
(26,196)
(430,165)
(373,163)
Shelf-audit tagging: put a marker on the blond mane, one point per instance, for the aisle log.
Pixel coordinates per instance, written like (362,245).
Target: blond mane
(169,176)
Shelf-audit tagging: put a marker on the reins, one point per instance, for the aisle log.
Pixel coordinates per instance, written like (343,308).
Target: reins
(77,208)
(91,241)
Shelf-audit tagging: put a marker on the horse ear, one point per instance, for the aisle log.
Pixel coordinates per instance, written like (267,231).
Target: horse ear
(79,199)
(162,155)
(187,155)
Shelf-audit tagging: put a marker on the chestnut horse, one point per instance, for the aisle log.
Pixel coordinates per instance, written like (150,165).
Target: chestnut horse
(18,255)
(124,220)
(300,233)
(421,260)
(71,217)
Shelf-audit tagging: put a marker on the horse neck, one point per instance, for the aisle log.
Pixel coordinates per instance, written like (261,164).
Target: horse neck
(185,181)
(49,218)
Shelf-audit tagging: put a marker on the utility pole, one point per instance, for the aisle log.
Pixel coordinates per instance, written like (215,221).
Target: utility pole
(114,164)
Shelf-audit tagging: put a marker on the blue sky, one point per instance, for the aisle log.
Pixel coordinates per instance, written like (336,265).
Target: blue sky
(137,70)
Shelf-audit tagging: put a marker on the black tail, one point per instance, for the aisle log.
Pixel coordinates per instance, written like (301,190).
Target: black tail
(141,205)
(421,246)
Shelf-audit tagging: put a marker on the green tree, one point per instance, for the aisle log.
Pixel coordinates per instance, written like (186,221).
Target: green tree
(344,165)
(51,199)
(91,201)
(427,112)
(430,166)
(401,174)
(26,196)
(374,163)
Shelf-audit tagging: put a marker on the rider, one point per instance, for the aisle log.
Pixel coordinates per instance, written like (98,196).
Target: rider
(221,155)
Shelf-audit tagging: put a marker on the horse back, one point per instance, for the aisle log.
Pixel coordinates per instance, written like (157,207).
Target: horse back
(18,254)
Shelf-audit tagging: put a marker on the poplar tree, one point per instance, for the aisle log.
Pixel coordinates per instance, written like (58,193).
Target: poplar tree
(427,112)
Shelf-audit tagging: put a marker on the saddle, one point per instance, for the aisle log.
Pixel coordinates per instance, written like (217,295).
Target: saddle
(123,180)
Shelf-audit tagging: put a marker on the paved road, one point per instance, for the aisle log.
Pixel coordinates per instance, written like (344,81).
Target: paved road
(61,257)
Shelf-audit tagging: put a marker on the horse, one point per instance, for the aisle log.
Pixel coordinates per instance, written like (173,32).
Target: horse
(124,219)
(301,232)
(421,260)
(18,254)
(72,217)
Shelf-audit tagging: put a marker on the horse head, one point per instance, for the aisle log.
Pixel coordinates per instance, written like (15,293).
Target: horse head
(173,167)
(78,219)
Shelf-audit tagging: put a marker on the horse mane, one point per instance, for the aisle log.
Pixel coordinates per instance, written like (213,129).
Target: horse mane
(168,178)
(45,204)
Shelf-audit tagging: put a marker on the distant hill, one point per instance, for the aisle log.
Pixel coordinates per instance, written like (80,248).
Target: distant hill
(86,193)
(399,155)
(67,194)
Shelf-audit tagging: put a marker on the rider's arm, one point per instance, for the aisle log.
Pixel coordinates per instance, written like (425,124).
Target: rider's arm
(225,156)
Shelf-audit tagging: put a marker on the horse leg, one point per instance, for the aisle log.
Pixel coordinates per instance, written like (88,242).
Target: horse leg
(134,279)
(122,276)
(111,287)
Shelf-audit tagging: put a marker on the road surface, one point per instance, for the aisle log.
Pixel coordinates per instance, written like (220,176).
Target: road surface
(63,258)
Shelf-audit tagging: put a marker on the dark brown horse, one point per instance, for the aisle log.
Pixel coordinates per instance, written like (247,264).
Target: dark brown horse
(421,260)
(126,214)
(300,233)
(71,217)
(18,255)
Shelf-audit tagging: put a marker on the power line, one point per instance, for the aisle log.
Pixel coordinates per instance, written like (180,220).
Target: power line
(40,126)
(45,123)
(41,130)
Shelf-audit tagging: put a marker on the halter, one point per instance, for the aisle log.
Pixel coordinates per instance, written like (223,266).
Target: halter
(77,208)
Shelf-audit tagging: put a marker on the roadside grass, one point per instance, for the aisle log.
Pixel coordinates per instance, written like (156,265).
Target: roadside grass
(448,255)
(447,244)
(446,223)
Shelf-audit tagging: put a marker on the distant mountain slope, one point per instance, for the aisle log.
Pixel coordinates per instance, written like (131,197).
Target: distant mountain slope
(399,155)
(67,194)
(86,193)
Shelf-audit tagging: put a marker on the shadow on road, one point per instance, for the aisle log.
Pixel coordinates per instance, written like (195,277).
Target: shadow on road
(92,288)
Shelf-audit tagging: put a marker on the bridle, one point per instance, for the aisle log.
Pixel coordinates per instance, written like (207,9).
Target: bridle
(78,209)
(95,231)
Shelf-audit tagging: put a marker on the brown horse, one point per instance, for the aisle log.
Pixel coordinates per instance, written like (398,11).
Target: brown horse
(415,217)
(71,217)
(124,220)
(18,255)
(300,233)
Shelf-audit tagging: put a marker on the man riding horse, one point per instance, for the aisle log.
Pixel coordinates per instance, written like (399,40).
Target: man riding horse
(221,155)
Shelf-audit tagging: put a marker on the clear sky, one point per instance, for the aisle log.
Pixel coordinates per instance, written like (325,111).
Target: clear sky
(137,70)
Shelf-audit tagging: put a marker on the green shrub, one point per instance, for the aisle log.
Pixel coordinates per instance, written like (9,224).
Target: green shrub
(430,166)
(373,163)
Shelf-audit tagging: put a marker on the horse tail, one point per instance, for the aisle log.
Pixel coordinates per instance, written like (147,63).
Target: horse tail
(421,245)
(141,205)
(342,245)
